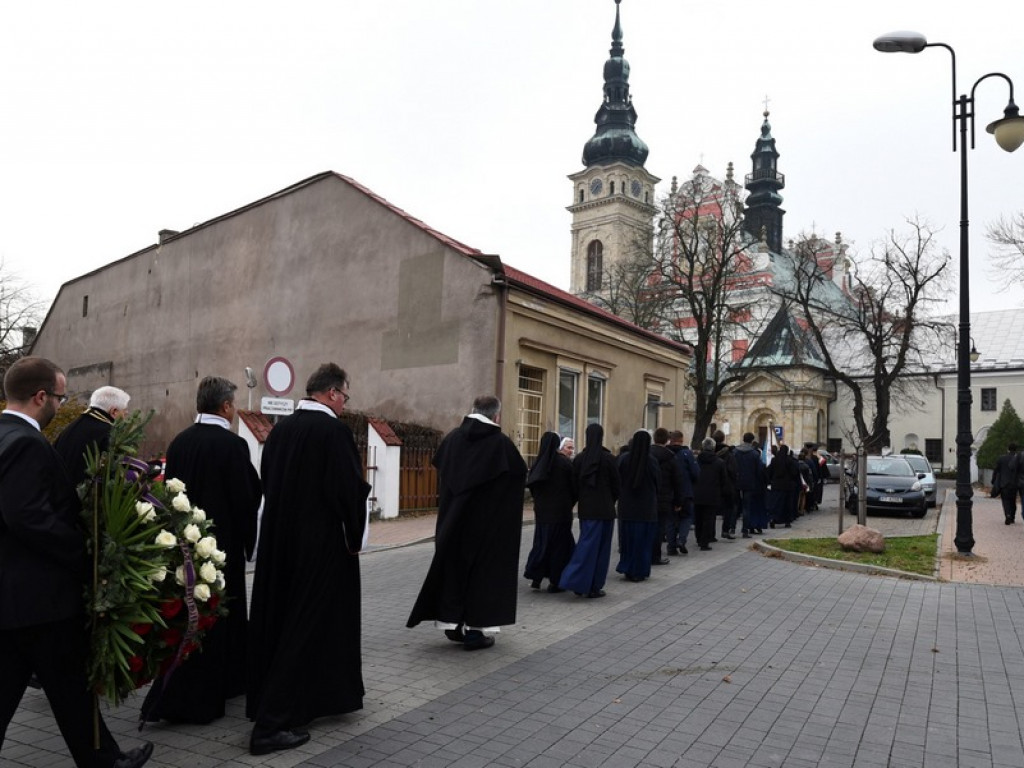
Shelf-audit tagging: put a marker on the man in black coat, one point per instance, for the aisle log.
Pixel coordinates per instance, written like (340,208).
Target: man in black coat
(712,489)
(220,479)
(305,658)
(472,584)
(43,571)
(680,523)
(90,430)
(1005,479)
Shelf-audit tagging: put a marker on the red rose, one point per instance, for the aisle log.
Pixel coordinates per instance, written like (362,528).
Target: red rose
(141,629)
(205,622)
(135,664)
(170,608)
(188,648)
(213,602)
(171,636)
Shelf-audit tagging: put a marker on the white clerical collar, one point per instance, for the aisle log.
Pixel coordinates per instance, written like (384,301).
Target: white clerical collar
(313,405)
(212,418)
(24,416)
(481,417)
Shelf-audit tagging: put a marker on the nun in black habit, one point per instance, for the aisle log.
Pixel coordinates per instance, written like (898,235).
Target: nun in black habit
(638,507)
(472,584)
(550,482)
(597,487)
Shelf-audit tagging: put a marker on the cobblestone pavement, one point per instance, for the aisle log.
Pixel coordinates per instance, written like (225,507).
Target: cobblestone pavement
(722,658)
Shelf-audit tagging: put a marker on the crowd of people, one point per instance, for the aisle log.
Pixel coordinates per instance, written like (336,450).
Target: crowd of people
(295,652)
(658,490)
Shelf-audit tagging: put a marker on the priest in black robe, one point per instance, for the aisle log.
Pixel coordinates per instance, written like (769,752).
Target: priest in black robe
(90,430)
(305,654)
(220,479)
(472,584)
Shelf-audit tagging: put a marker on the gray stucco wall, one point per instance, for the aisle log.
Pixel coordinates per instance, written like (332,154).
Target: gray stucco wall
(321,273)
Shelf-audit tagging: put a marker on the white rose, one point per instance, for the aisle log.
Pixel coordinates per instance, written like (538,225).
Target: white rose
(198,515)
(145,510)
(166,539)
(192,532)
(208,572)
(174,485)
(158,575)
(181,503)
(206,546)
(219,557)
(201,592)
(179,574)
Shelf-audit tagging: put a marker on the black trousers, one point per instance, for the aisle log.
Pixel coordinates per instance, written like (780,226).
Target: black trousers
(1008,496)
(57,654)
(704,523)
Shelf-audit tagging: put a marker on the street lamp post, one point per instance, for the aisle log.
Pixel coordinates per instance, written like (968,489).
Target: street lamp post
(1009,134)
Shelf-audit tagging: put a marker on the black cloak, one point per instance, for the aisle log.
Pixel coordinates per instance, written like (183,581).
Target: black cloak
(91,428)
(473,578)
(219,479)
(304,640)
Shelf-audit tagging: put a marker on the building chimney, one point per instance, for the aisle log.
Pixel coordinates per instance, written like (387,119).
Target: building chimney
(166,234)
(28,336)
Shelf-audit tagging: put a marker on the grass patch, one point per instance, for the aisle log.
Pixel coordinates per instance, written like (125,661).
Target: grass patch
(914,554)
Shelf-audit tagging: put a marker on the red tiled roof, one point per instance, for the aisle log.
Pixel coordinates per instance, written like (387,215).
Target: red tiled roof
(382,428)
(536,285)
(257,423)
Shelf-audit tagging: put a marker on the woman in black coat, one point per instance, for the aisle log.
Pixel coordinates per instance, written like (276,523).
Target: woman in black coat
(784,481)
(639,476)
(596,482)
(550,482)
(712,490)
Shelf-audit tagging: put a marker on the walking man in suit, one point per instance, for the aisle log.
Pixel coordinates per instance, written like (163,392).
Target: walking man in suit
(43,570)
(1005,478)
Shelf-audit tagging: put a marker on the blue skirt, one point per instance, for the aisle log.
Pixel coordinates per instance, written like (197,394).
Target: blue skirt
(587,570)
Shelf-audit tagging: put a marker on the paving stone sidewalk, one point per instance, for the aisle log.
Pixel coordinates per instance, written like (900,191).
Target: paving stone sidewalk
(723,658)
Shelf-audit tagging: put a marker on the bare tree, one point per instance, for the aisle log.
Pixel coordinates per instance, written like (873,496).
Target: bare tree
(704,258)
(20,315)
(878,327)
(1007,234)
(633,290)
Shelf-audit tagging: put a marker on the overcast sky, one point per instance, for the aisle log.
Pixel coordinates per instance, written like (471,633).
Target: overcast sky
(119,119)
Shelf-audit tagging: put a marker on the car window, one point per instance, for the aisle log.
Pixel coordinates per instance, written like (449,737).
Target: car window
(895,467)
(919,463)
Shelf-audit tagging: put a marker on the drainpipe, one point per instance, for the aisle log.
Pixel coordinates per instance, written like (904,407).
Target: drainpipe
(499,282)
(942,421)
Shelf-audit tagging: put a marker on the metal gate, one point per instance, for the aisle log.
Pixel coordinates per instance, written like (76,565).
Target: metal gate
(417,484)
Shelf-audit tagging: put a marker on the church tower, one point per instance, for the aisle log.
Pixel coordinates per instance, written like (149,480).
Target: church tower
(763,215)
(613,196)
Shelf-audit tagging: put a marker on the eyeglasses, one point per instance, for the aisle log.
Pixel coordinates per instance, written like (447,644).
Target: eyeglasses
(343,393)
(60,398)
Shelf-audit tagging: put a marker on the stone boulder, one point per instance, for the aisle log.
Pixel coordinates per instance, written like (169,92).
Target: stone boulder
(860,538)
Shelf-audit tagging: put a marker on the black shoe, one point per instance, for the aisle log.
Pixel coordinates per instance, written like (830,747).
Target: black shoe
(455,635)
(771,524)
(712,540)
(746,535)
(274,741)
(727,536)
(134,758)
(684,550)
(33,682)
(673,552)
(787,525)
(1009,521)
(705,548)
(597,593)
(554,589)
(475,640)
(535,584)
(663,561)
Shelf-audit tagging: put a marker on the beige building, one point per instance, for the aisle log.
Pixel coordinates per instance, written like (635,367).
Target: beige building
(328,270)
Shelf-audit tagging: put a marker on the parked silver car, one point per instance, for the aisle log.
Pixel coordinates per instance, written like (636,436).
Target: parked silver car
(832,466)
(925,473)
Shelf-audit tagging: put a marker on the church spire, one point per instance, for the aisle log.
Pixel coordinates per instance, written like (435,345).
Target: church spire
(615,138)
(764,204)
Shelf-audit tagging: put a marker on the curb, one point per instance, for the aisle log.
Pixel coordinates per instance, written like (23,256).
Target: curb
(838,565)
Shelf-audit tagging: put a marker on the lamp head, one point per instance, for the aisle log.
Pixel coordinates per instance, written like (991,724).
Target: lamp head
(901,42)
(1009,131)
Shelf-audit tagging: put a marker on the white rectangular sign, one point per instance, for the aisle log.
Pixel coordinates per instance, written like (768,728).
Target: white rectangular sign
(277,406)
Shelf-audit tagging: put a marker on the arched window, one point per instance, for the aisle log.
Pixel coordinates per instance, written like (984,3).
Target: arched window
(581,194)
(595,265)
